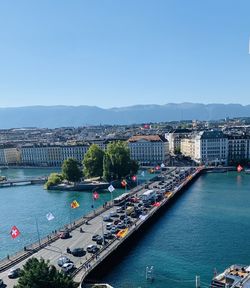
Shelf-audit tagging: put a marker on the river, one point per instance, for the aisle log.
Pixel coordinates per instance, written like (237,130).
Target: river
(207,227)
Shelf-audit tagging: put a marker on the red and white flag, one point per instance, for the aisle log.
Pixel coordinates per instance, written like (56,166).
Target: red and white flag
(134,178)
(239,168)
(95,195)
(14,232)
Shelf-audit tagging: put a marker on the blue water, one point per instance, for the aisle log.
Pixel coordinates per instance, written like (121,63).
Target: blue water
(207,227)
(21,206)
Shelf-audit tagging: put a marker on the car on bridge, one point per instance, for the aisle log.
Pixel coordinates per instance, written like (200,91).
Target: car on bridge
(14,272)
(67,267)
(62,260)
(78,252)
(2,284)
(92,249)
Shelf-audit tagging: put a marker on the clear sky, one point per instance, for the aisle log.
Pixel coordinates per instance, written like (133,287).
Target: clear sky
(111,53)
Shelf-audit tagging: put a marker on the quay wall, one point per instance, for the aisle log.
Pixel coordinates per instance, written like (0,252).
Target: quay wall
(122,249)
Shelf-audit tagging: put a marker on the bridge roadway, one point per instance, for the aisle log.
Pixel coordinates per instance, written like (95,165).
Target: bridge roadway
(58,248)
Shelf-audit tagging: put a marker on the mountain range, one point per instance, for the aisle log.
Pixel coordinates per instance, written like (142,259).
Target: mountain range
(66,116)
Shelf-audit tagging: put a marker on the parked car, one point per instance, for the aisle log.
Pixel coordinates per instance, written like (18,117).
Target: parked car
(107,218)
(94,237)
(1,283)
(114,230)
(113,214)
(92,249)
(64,235)
(66,267)
(78,252)
(108,226)
(119,209)
(108,235)
(14,272)
(122,216)
(100,241)
(116,221)
(62,260)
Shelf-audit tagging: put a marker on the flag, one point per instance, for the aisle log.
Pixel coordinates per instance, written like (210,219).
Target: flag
(239,168)
(95,195)
(111,188)
(143,173)
(157,204)
(162,165)
(134,178)
(157,167)
(74,204)
(14,232)
(50,216)
(124,183)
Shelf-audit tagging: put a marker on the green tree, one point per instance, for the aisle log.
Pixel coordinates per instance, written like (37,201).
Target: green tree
(93,162)
(117,162)
(39,274)
(71,170)
(54,179)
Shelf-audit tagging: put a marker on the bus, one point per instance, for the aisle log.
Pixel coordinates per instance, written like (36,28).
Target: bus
(149,195)
(120,200)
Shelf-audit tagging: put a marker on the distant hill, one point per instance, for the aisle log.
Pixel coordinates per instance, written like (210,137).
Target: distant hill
(62,116)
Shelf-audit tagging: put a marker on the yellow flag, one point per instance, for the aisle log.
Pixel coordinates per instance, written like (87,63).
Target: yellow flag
(74,204)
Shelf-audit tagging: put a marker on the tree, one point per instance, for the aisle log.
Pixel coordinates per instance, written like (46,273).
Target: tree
(71,170)
(117,162)
(54,179)
(93,161)
(39,274)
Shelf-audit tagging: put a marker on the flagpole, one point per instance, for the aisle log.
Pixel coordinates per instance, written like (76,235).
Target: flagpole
(38,234)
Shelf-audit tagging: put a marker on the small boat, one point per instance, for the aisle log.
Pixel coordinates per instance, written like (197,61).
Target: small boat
(247,171)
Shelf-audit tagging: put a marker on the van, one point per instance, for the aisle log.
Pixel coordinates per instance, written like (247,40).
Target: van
(130,210)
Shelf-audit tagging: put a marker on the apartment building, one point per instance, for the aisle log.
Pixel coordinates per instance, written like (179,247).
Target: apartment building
(148,149)
(187,147)
(174,139)
(238,147)
(9,155)
(51,155)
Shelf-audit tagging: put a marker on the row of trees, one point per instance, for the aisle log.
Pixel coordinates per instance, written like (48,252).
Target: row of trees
(113,164)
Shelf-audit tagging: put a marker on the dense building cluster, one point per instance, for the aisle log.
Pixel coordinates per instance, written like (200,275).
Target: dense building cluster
(212,143)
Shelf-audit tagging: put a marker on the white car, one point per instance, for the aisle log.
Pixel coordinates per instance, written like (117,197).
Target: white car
(66,267)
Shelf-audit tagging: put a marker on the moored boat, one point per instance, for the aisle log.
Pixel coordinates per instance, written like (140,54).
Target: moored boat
(234,276)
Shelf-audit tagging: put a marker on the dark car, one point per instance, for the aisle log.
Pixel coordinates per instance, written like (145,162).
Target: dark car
(78,252)
(14,273)
(122,217)
(108,235)
(100,241)
(95,237)
(1,283)
(64,235)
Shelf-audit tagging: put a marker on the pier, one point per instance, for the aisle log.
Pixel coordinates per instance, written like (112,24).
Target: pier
(52,247)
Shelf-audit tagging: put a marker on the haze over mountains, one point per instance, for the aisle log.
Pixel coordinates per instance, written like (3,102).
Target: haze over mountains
(63,116)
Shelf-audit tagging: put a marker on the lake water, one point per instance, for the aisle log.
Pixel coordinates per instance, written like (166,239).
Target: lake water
(207,227)
(22,205)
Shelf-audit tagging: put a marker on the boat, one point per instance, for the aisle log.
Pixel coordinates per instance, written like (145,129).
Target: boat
(234,276)
(247,171)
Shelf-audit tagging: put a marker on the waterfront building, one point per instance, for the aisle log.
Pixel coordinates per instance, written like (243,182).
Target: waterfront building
(187,147)
(9,155)
(238,147)
(51,155)
(174,139)
(148,149)
(211,147)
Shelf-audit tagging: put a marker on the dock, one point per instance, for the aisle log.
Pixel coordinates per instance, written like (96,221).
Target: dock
(170,183)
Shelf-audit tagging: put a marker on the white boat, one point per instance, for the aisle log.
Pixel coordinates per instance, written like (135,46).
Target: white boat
(247,171)
(234,276)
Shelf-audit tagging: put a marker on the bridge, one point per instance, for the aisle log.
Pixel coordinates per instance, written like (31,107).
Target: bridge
(52,247)
(25,181)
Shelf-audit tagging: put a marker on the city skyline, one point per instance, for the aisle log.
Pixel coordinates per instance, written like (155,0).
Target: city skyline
(117,54)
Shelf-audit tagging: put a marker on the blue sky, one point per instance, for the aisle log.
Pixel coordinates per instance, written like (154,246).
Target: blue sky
(112,53)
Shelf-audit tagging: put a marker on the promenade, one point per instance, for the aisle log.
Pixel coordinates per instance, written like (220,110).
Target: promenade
(53,247)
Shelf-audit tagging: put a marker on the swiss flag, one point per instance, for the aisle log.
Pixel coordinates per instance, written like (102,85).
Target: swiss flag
(95,195)
(133,178)
(14,232)
(239,168)
(157,167)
